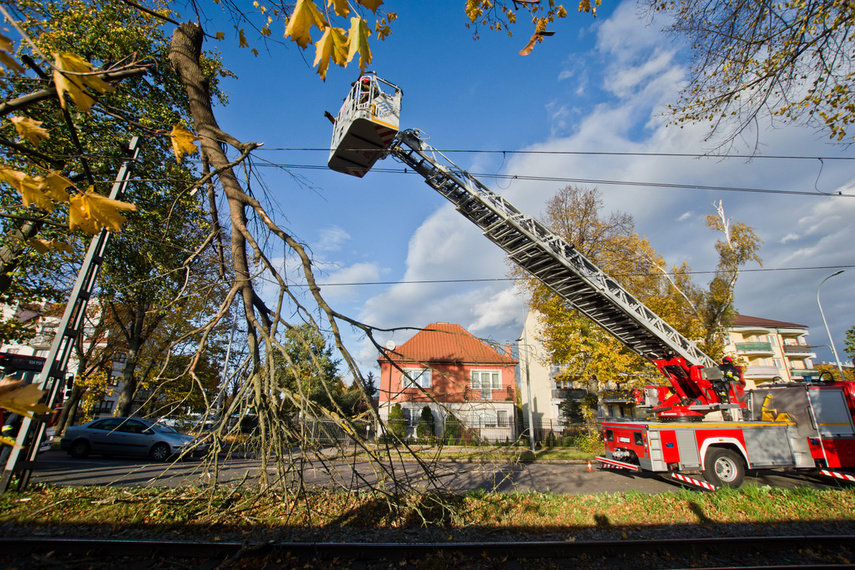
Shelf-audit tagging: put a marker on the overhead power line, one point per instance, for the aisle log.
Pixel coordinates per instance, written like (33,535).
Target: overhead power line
(598,153)
(591,181)
(497,279)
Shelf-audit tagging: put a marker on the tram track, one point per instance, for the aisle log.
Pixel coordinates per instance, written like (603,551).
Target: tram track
(801,551)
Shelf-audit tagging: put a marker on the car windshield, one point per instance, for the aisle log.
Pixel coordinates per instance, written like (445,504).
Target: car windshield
(164,429)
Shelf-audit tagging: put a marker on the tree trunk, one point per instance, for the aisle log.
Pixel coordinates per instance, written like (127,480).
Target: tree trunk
(184,53)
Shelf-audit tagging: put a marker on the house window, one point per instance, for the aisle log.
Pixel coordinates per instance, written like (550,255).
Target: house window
(486,418)
(486,381)
(778,363)
(417,378)
(502,418)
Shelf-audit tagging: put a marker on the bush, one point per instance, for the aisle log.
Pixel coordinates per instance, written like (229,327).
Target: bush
(397,422)
(426,430)
(452,431)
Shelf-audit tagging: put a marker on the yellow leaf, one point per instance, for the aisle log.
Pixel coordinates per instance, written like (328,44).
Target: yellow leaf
(31,189)
(9,441)
(182,142)
(43,245)
(91,210)
(358,41)
(242,39)
(370,4)
(21,398)
(6,44)
(9,62)
(332,46)
(299,26)
(340,6)
(40,245)
(67,66)
(29,129)
(220,36)
(55,186)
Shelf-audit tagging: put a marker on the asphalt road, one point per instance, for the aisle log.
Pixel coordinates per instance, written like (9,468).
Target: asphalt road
(58,468)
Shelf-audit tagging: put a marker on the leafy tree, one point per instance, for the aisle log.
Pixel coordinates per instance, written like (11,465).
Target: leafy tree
(584,350)
(849,348)
(791,60)
(146,273)
(831,370)
(397,422)
(307,370)
(426,428)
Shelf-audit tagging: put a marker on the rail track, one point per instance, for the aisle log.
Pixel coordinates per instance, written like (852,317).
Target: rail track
(802,551)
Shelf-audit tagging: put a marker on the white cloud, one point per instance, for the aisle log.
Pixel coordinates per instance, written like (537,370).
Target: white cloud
(331,239)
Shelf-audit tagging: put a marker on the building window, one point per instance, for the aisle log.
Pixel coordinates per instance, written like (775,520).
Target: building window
(417,378)
(502,418)
(486,418)
(486,381)
(778,363)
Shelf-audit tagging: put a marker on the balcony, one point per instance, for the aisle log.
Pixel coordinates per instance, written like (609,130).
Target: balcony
(804,373)
(798,349)
(761,372)
(754,347)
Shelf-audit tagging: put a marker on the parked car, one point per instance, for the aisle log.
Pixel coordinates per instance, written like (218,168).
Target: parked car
(128,436)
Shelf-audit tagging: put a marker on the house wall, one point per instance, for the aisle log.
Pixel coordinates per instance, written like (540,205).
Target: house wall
(490,414)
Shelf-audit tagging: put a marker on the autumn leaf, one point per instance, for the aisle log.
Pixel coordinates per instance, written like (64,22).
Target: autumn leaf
(66,68)
(332,46)
(6,48)
(44,246)
(370,4)
(183,142)
(358,41)
(21,398)
(55,185)
(340,6)
(299,26)
(29,129)
(90,212)
(31,189)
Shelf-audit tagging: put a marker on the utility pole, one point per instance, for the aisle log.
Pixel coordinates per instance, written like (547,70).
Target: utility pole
(52,377)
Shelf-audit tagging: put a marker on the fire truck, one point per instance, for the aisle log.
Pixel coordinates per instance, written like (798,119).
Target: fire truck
(704,421)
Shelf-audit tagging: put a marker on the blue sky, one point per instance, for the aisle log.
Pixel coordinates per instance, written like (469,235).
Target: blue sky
(598,85)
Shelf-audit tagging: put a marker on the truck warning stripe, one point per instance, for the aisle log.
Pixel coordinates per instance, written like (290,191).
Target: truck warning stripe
(695,482)
(838,475)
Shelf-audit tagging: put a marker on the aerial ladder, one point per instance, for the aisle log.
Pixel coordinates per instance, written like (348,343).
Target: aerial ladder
(366,130)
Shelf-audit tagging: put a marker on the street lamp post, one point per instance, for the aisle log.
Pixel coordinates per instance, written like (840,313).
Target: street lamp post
(522,343)
(827,330)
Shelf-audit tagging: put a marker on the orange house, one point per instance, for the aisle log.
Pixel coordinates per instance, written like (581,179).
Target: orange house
(445,368)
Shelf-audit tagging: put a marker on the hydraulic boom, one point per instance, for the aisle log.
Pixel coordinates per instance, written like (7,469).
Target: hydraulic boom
(549,258)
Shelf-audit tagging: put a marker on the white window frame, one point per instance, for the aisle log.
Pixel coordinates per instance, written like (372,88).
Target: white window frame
(495,379)
(417,378)
(487,418)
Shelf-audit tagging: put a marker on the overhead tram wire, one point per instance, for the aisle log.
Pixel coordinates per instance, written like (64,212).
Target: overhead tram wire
(591,181)
(498,279)
(597,153)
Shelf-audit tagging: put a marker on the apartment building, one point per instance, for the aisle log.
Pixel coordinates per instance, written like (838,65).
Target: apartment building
(770,350)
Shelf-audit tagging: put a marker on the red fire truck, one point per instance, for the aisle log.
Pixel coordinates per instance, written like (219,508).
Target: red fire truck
(703,422)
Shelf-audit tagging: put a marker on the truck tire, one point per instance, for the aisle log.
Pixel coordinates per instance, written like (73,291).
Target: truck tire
(724,468)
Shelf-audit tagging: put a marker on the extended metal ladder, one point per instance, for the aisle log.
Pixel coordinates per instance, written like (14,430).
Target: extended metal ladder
(548,257)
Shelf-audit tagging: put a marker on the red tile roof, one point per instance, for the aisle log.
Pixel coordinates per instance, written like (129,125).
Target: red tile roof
(445,342)
(746,321)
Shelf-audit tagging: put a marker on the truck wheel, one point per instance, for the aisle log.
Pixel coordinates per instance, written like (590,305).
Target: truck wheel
(724,467)
(79,449)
